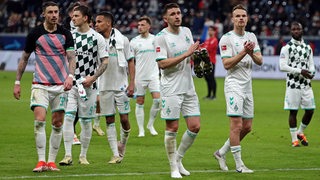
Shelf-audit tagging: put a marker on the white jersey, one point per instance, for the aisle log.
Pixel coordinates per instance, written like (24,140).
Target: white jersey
(145,56)
(238,78)
(177,79)
(115,77)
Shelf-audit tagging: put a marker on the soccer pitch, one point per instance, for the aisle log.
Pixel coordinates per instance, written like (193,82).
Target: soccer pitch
(267,149)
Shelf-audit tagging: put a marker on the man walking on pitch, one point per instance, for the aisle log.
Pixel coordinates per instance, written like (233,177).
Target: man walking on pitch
(147,74)
(114,87)
(296,58)
(54,50)
(90,48)
(174,46)
(239,50)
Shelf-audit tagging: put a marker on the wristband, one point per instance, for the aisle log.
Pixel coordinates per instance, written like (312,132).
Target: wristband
(17,82)
(70,75)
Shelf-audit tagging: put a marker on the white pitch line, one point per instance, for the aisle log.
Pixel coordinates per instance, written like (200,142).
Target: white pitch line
(149,173)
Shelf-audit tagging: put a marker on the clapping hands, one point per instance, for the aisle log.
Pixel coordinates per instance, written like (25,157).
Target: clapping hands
(249,46)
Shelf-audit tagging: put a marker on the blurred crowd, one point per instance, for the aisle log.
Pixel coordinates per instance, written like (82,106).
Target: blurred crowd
(267,17)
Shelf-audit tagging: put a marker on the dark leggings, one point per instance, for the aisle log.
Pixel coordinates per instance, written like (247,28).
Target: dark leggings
(211,83)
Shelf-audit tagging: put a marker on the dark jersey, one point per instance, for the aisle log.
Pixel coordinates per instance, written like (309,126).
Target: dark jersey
(51,66)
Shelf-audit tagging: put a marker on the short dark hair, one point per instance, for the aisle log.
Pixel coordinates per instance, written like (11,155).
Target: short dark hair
(145,18)
(85,11)
(296,23)
(169,6)
(107,15)
(239,6)
(48,3)
(72,6)
(213,28)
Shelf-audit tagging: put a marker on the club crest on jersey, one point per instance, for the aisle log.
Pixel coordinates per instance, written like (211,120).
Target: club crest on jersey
(187,39)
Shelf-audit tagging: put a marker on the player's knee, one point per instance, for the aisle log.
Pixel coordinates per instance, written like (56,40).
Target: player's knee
(57,123)
(195,128)
(39,124)
(124,118)
(110,119)
(140,101)
(125,123)
(246,129)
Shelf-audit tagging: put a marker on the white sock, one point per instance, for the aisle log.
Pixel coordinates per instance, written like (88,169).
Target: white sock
(97,120)
(302,127)
(40,136)
(236,151)
(293,132)
(153,112)
(140,117)
(55,141)
(68,133)
(124,135)
(112,138)
(186,142)
(85,136)
(225,148)
(170,143)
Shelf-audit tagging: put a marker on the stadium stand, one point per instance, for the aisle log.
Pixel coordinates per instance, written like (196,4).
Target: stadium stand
(269,19)
(19,16)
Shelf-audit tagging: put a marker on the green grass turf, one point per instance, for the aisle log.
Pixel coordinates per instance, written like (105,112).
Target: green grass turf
(267,149)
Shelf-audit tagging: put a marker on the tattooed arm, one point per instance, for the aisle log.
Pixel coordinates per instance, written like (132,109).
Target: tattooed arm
(90,79)
(21,68)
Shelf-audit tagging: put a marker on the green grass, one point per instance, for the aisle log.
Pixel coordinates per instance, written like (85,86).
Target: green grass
(266,149)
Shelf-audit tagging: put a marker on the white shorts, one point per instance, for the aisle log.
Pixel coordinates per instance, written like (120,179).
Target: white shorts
(109,100)
(187,104)
(141,86)
(86,108)
(239,104)
(296,98)
(45,96)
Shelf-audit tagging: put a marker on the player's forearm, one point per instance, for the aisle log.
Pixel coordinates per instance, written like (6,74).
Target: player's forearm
(257,58)
(285,68)
(229,63)
(311,65)
(132,70)
(170,62)
(71,56)
(22,65)
(103,66)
